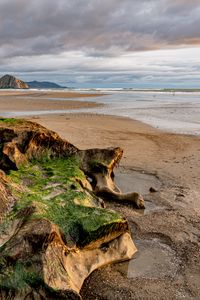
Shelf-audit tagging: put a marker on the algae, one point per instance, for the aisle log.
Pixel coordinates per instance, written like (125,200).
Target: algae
(18,277)
(11,121)
(37,182)
(47,189)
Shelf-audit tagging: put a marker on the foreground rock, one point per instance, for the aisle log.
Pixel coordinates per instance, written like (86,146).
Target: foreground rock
(99,165)
(11,82)
(54,228)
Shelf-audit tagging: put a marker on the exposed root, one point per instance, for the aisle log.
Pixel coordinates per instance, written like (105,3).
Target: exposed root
(99,165)
(132,198)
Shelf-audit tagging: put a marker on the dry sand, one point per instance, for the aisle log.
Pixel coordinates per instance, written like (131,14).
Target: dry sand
(34,100)
(168,233)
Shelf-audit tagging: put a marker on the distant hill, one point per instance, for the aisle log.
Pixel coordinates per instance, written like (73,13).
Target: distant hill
(43,85)
(11,82)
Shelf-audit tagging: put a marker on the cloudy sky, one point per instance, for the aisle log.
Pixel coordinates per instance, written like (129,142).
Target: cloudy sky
(104,43)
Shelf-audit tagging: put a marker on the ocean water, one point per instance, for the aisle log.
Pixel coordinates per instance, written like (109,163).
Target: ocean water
(174,112)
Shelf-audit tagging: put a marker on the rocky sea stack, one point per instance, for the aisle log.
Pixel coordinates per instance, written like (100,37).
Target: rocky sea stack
(11,82)
(54,228)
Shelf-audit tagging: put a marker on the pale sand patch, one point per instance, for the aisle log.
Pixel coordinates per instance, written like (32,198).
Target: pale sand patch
(48,94)
(37,101)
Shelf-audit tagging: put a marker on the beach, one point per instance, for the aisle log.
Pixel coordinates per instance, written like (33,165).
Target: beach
(172,112)
(165,167)
(15,101)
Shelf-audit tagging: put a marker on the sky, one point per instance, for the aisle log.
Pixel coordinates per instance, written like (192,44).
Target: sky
(102,43)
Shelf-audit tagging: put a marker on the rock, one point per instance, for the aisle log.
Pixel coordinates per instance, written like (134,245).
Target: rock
(180,195)
(6,198)
(152,190)
(54,230)
(99,165)
(21,140)
(11,82)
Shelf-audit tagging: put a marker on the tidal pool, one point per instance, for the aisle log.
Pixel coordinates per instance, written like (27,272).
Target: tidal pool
(154,260)
(130,180)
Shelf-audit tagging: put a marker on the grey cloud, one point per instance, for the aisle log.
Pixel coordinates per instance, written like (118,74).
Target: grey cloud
(38,27)
(100,41)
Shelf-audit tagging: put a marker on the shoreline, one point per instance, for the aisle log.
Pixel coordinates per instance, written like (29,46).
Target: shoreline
(30,103)
(73,108)
(43,101)
(101,115)
(50,93)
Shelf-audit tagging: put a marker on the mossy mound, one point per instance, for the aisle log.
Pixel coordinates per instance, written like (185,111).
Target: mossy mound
(53,187)
(54,230)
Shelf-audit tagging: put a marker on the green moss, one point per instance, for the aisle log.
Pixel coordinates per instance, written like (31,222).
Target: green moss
(18,277)
(82,224)
(48,185)
(52,186)
(10,120)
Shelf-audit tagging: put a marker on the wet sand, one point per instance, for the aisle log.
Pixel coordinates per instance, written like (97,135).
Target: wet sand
(167,233)
(38,101)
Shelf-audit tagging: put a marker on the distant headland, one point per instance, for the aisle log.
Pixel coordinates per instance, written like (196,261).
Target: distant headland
(11,82)
(44,85)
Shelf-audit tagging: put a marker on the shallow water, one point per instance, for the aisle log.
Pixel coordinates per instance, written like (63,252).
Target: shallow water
(173,112)
(138,181)
(154,260)
(130,180)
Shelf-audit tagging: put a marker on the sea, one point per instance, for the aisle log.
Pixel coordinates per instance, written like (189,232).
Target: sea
(175,111)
